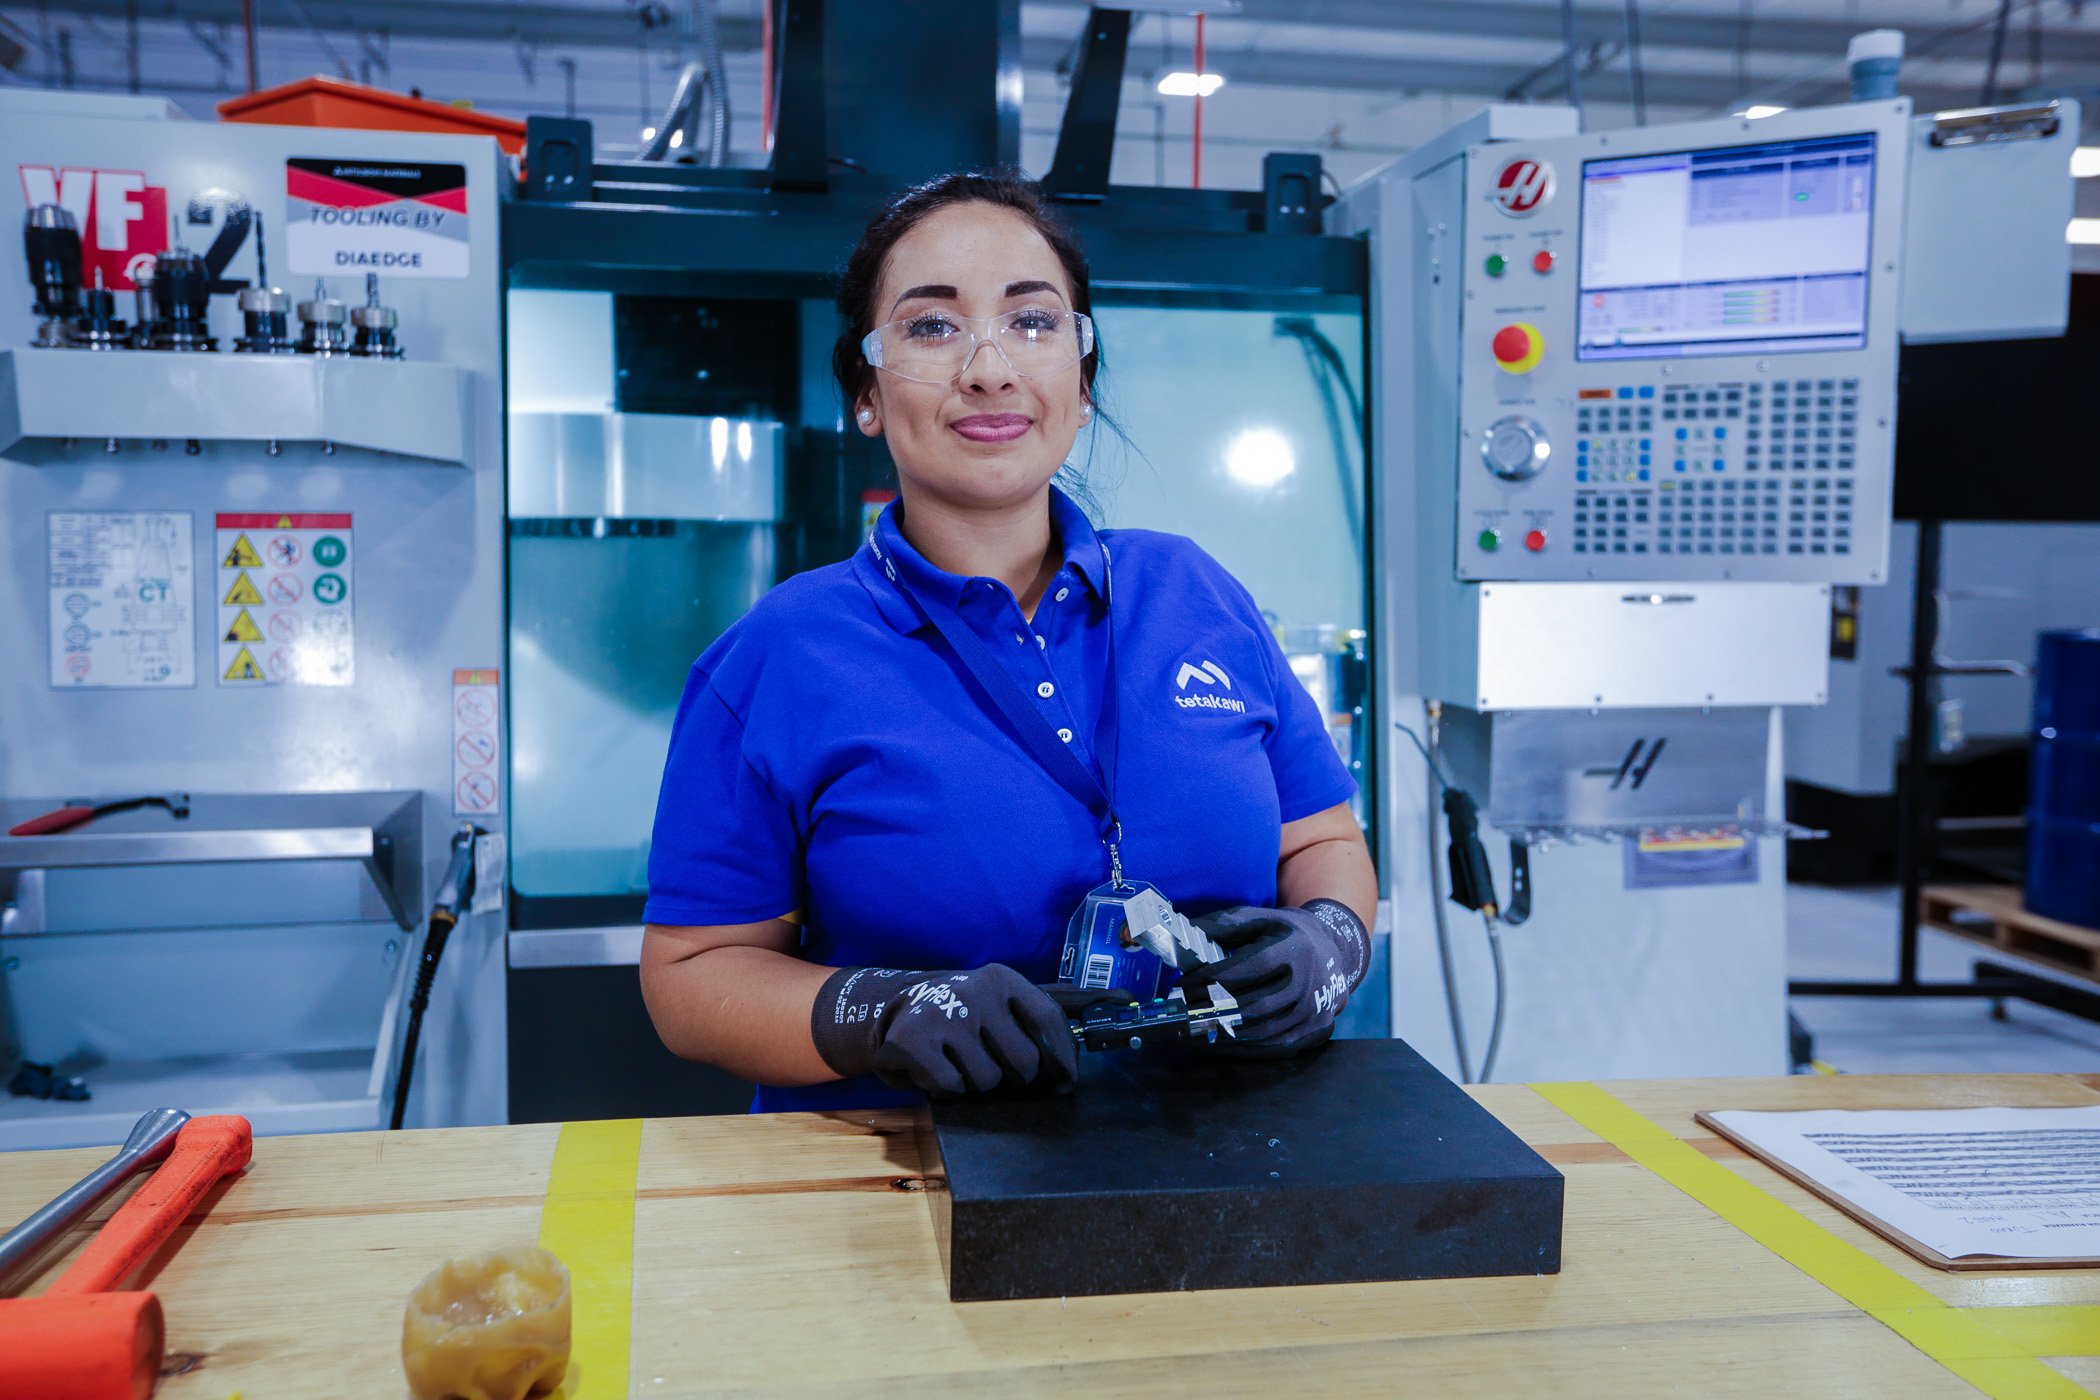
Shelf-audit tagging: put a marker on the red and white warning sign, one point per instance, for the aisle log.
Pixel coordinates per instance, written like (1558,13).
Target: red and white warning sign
(477,750)
(122,219)
(285,611)
(393,217)
(1522,186)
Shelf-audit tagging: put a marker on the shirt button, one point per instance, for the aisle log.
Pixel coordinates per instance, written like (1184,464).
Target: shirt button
(1063,593)
(1065,734)
(1046,690)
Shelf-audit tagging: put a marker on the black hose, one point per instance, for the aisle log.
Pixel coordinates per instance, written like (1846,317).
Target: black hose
(454,893)
(442,922)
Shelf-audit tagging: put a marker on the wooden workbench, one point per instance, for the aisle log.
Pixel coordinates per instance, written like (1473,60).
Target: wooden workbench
(795,1254)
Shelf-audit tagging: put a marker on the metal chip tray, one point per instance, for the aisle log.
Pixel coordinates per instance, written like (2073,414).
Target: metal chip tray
(381,830)
(50,397)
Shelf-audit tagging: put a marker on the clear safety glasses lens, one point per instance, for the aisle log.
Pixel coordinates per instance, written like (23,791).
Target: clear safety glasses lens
(933,346)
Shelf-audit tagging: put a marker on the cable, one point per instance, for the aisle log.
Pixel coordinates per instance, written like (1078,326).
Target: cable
(1634,77)
(1571,74)
(1494,933)
(1990,71)
(1443,927)
(1439,791)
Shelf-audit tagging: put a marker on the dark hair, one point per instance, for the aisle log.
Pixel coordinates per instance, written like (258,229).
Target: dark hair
(863,274)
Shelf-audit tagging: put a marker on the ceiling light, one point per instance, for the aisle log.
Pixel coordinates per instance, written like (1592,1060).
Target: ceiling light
(2086,231)
(1760,109)
(677,138)
(2085,162)
(648,133)
(1260,457)
(1186,84)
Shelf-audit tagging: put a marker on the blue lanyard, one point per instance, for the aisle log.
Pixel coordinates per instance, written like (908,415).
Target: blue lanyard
(1095,790)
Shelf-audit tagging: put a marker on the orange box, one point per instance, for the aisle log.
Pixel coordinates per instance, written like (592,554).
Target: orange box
(319,101)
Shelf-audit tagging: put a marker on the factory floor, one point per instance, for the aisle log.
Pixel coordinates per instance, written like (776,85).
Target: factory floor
(1851,933)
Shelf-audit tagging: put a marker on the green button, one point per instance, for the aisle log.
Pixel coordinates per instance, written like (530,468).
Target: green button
(1490,540)
(1496,266)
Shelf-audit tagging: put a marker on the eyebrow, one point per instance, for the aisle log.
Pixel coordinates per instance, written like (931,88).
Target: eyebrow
(944,290)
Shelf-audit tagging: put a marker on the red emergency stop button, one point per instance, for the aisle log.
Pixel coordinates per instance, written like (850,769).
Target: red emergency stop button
(1542,261)
(1535,541)
(1519,347)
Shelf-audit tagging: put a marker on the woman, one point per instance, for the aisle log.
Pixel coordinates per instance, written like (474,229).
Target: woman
(872,829)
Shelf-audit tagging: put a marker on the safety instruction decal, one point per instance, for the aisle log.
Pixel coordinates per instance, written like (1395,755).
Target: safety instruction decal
(283,587)
(396,218)
(123,599)
(476,749)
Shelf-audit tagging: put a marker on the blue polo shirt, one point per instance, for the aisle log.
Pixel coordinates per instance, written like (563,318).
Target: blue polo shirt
(832,755)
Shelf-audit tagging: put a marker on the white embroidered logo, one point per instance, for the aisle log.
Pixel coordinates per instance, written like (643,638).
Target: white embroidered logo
(1208,673)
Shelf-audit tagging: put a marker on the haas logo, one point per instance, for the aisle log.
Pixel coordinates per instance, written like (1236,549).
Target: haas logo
(1522,186)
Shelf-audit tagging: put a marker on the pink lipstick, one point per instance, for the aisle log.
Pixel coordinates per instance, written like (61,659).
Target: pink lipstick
(991,427)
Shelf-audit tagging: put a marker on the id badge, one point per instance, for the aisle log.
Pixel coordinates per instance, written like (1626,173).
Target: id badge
(1097,957)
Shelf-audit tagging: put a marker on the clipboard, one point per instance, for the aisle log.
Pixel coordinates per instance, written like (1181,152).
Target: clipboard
(1924,1253)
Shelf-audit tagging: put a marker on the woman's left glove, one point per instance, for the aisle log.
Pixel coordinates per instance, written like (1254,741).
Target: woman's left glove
(1291,970)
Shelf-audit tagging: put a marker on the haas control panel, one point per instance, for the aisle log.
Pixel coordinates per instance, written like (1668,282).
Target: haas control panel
(1679,351)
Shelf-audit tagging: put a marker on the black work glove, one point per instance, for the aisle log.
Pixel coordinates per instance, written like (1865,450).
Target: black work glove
(946,1033)
(1291,970)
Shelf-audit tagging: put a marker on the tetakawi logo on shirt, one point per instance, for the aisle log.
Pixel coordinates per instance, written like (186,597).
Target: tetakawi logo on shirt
(1211,674)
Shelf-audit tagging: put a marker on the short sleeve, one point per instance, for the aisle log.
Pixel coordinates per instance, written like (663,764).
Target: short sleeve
(1310,775)
(725,849)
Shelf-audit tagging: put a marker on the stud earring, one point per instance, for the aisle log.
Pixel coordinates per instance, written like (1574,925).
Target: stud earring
(1086,411)
(867,416)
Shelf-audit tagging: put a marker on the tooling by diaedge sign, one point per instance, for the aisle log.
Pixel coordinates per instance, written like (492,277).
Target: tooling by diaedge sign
(396,218)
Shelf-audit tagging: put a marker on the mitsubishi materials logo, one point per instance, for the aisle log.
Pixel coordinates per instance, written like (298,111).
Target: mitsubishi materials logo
(1208,673)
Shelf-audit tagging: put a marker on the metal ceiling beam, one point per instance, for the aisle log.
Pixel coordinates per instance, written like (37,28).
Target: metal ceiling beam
(552,25)
(560,26)
(1664,87)
(1660,28)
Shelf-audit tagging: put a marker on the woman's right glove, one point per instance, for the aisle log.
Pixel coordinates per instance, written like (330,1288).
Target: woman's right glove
(946,1033)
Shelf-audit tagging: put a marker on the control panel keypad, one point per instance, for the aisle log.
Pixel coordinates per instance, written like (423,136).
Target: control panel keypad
(1753,468)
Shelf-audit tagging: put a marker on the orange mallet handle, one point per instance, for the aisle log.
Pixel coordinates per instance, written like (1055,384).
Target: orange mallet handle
(78,1342)
(205,1150)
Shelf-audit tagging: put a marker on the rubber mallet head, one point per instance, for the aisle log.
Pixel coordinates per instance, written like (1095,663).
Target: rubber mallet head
(82,1341)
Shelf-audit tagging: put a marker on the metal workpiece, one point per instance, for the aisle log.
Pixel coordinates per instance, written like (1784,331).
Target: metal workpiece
(374,325)
(323,328)
(181,302)
(151,1139)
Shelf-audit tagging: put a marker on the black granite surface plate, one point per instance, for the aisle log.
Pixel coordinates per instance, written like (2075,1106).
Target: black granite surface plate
(1170,1171)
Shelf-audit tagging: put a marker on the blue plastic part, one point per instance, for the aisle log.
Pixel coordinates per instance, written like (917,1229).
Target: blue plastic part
(2063,815)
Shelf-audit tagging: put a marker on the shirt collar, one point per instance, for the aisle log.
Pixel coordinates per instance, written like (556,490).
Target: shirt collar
(888,563)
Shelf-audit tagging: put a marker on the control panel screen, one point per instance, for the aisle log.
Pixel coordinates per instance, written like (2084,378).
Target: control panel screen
(1729,251)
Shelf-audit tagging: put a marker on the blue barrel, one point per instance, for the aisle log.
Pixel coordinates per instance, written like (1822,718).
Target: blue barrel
(2063,810)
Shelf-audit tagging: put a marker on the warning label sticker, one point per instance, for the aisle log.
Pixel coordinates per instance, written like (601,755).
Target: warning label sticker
(123,592)
(285,615)
(395,218)
(475,747)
